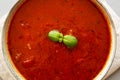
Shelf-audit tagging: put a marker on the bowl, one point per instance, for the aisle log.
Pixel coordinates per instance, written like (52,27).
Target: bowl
(19,76)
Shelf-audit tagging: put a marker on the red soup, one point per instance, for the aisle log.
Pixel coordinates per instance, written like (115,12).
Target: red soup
(38,58)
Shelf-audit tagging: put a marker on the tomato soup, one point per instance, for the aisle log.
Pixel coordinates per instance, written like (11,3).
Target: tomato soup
(36,57)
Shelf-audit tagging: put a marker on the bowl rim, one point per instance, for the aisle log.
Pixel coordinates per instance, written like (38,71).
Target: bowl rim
(12,69)
(112,52)
(101,7)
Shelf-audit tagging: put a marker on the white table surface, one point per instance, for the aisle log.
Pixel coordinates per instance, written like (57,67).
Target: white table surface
(6,5)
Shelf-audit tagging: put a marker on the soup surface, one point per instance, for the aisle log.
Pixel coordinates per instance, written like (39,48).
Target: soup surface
(38,58)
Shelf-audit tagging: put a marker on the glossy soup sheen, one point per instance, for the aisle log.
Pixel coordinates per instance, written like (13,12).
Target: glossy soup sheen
(38,58)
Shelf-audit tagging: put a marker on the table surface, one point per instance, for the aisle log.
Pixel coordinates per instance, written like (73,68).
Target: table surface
(6,5)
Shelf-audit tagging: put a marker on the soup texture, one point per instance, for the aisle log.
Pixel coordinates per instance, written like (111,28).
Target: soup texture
(38,58)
